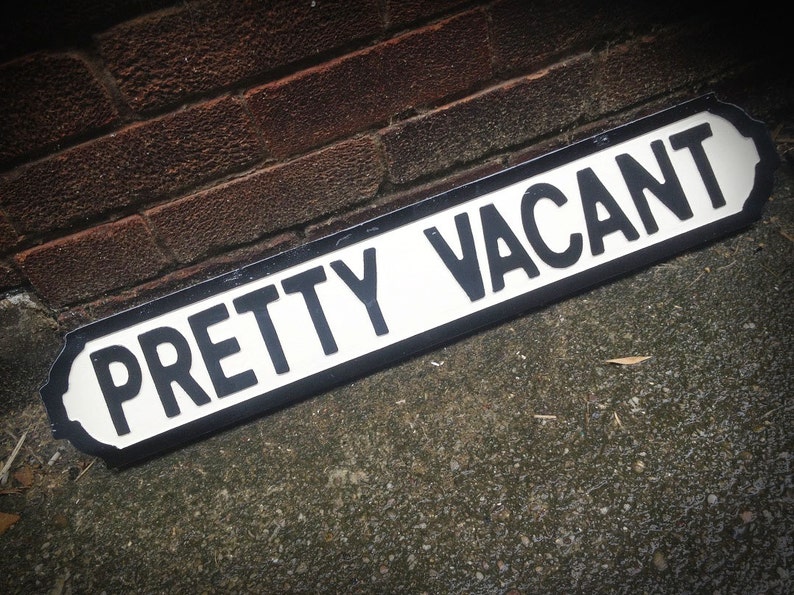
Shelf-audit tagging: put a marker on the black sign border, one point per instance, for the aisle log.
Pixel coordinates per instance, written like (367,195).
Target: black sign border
(57,383)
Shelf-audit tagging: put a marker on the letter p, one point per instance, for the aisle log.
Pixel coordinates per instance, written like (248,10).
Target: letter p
(115,394)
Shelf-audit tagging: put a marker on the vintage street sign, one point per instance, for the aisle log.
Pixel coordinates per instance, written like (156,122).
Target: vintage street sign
(174,370)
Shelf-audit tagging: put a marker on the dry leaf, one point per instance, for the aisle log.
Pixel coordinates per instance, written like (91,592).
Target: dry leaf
(628,361)
(6,520)
(24,476)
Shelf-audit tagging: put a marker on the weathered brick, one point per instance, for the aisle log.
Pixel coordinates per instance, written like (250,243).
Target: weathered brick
(402,12)
(168,283)
(363,89)
(580,133)
(271,200)
(8,236)
(661,63)
(137,165)
(89,263)
(528,35)
(9,276)
(404,197)
(497,119)
(166,56)
(46,99)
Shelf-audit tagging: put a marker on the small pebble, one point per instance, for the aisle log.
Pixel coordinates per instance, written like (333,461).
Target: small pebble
(659,561)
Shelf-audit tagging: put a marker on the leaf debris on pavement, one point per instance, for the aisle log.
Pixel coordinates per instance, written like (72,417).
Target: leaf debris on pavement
(628,361)
(6,520)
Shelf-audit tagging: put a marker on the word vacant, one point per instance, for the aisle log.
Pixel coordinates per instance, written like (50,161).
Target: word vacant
(167,373)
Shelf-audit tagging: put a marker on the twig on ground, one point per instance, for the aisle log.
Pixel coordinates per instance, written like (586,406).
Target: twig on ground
(10,461)
(83,472)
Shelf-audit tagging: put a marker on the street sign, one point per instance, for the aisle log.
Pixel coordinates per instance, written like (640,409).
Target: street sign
(167,373)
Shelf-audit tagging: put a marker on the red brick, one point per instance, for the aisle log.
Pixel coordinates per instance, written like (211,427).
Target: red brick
(8,236)
(176,280)
(47,99)
(402,12)
(89,263)
(500,118)
(140,164)
(167,56)
(528,35)
(366,88)
(392,201)
(271,200)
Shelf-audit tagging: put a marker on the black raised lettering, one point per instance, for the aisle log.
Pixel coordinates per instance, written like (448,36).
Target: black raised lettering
(466,269)
(669,192)
(114,394)
(178,372)
(366,288)
(213,353)
(304,283)
(692,139)
(593,193)
(256,302)
(531,197)
(495,228)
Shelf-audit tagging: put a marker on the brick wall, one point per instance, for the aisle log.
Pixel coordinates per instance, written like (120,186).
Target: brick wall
(148,144)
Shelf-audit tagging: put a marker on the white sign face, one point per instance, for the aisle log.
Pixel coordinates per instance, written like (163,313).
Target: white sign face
(164,374)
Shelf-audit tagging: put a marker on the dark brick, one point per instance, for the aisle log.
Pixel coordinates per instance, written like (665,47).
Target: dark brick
(137,165)
(30,25)
(162,58)
(46,99)
(271,200)
(495,120)
(570,137)
(527,35)
(662,63)
(9,277)
(174,281)
(366,88)
(89,263)
(763,90)
(402,12)
(392,201)
(8,236)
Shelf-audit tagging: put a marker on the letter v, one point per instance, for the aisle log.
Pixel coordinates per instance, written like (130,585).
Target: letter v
(466,269)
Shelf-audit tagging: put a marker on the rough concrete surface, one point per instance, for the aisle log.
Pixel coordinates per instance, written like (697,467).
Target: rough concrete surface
(28,339)
(513,461)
